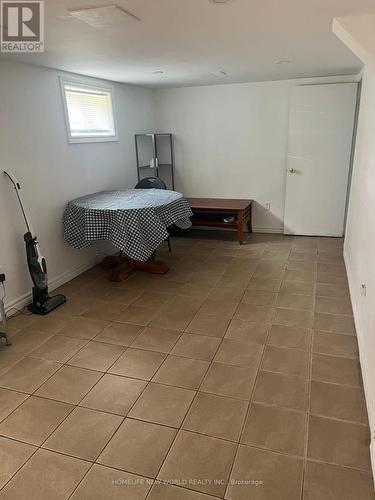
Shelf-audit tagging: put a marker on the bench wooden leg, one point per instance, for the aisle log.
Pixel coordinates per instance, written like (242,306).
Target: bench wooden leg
(240,226)
(250,220)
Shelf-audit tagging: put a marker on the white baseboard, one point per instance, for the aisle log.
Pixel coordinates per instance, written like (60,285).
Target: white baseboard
(368,385)
(273,230)
(256,229)
(61,279)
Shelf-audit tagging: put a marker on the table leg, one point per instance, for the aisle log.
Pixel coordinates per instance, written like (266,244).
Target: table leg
(240,226)
(124,266)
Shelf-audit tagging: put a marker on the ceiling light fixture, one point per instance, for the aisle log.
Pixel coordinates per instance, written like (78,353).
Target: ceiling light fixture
(282,61)
(103,17)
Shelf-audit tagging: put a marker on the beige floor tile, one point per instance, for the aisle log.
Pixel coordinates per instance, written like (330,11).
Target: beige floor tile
(271,285)
(181,372)
(325,482)
(292,275)
(26,341)
(152,300)
(336,370)
(331,290)
(161,404)
(337,401)
(226,294)
(9,400)
(137,315)
(138,364)
(333,278)
(104,309)
(106,483)
(259,297)
(335,344)
(294,317)
(114,394)
(8,360)
(97,356)
(195,290)
(334,323)
(75,305)
(28,374)
(34,420)
(268,476)
(12,456)
(247,331)
(290,336)
(169,492)
(281,390)
(50,323)
(196,347)
(156,339)
(69,384)
(204,324)
(277,429)
(287,361)
(84,433)
(237,353)
(173,320)
(340,443)
(82,328)
(123,295)
(273,274)
(295,301)
(138,447)
(58,348)
(228,380)
(250,312)
(216,416)
(122,334)
(184,303)
(22,320)
(298,287)
(297,265)
(46,476)
(333,305)
(223,308)
(195,457)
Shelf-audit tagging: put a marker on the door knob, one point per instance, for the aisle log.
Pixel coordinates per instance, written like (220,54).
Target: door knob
(292,170)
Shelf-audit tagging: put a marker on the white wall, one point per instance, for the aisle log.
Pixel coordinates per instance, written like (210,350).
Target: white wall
(231,141)
(33,144)
(359,249)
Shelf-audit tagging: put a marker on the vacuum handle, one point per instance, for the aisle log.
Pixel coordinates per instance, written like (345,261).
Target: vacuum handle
(17,187)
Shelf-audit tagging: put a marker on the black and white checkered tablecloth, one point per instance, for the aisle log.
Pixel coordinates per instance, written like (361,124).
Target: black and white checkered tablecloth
(135,220)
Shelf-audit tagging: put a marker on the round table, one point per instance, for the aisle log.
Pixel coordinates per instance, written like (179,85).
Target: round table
(135,221)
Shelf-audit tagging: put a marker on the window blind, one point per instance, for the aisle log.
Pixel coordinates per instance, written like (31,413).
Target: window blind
(89,111)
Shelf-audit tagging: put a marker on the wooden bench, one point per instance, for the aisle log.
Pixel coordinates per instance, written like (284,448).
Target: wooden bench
(210,212)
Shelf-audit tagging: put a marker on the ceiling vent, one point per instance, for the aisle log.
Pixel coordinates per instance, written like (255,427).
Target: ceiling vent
(103,17)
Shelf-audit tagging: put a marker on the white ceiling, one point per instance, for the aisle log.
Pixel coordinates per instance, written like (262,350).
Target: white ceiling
(192,39)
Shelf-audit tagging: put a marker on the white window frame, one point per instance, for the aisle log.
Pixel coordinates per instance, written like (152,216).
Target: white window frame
(89,86)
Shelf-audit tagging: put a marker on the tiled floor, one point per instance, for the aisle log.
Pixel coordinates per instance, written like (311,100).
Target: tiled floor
(233,376)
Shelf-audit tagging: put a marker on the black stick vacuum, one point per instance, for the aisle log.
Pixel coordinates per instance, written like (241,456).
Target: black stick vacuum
(42,303)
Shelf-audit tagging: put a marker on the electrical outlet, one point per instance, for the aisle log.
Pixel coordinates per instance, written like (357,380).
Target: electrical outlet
(268,205)
(363,290)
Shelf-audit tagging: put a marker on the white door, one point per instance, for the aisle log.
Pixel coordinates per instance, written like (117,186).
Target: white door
(321,119)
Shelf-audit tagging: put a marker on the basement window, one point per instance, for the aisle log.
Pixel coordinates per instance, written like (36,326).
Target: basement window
(89,112)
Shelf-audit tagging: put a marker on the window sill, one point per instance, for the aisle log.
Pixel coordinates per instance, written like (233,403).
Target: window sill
(83,140)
